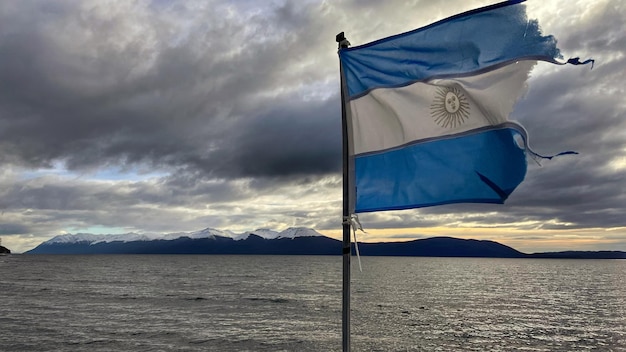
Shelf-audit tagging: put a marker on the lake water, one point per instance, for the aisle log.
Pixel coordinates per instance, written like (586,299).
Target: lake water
(293,303)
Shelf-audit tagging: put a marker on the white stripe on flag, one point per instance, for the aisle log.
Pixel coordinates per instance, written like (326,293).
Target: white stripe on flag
(387,118)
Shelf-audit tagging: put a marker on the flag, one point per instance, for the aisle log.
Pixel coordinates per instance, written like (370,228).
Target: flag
(427,110)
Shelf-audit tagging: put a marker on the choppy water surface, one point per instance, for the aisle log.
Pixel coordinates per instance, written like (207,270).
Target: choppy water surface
(293,303)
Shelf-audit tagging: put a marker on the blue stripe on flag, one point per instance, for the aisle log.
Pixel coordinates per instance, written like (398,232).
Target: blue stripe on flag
(467,43)
(479,168)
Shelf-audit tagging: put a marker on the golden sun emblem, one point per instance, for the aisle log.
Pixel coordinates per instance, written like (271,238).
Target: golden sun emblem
(450,107)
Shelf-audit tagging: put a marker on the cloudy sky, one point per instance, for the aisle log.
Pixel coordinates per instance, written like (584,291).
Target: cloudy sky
(165,115)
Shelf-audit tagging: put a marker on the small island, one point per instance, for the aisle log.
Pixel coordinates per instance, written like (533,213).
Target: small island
(4,250)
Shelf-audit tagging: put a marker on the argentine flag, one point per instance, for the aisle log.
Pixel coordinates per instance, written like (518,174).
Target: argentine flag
(427,110)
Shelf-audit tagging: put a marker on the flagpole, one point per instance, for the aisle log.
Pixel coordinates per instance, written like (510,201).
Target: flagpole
(345,315)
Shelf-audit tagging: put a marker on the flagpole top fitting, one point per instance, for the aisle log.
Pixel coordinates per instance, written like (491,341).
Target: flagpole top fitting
(343,42)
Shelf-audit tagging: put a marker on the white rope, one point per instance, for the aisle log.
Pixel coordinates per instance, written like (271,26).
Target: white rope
(355,224)
(356,246)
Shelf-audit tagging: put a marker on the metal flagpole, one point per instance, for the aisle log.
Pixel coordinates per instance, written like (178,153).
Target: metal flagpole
(345,316)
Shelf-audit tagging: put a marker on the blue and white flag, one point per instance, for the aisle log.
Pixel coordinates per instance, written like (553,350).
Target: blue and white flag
(427,110)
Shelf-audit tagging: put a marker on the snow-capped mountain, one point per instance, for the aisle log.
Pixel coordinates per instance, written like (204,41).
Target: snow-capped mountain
(292,241)
(294,232)
(91,238)
(211,233)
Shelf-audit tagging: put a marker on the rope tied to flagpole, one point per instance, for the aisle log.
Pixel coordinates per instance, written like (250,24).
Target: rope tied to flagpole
(355,224)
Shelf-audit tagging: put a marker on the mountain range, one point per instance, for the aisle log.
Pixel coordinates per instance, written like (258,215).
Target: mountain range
(293,241)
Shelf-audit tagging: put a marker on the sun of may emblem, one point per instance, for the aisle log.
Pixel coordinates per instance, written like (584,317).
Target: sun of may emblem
(450,107)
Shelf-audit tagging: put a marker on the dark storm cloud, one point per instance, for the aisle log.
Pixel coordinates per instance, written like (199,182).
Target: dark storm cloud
(12,229)
(294,138)
(62,194)
(96,87)
(601,29)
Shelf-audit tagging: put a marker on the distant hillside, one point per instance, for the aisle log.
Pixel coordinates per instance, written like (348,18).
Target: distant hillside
(4,250)
(441,247)
(293,241)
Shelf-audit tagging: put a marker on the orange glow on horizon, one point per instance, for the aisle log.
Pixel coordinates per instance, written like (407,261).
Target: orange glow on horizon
(527,241)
